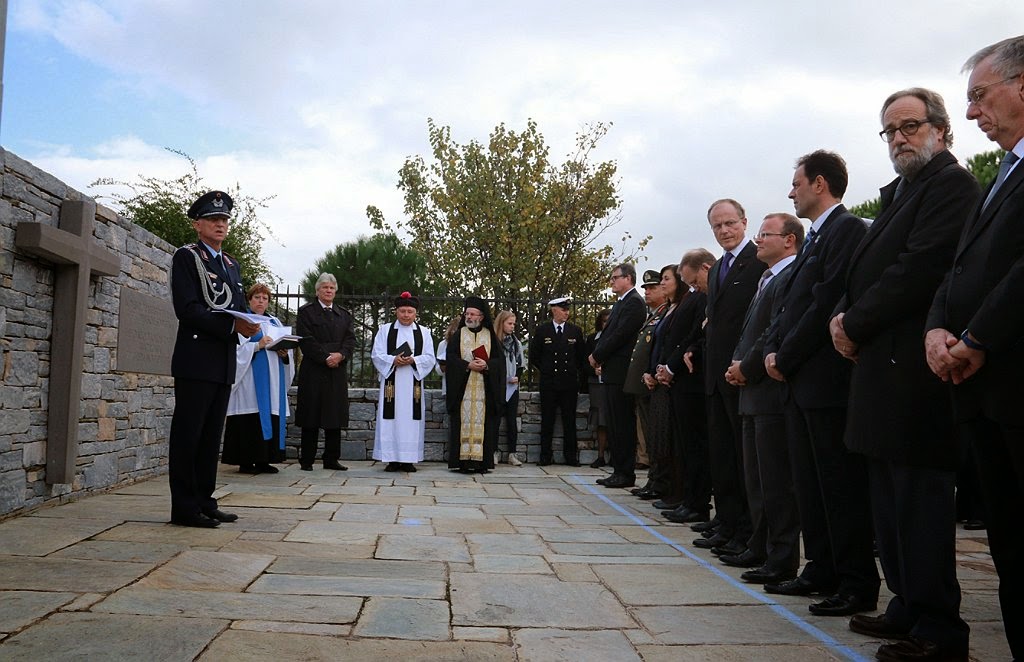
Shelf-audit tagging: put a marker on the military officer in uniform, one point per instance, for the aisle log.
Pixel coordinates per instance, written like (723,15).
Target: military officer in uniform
(557,351)
(205,283)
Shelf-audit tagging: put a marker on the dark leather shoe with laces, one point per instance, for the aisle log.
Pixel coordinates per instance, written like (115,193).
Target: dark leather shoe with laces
(221,516)
(877,626)
(798,586)
(620,481)
(334,465)
(197,520)
(766,575)
(747,559)
(731,548)
(843,604)
(701,527)
(714,541)
(914,649)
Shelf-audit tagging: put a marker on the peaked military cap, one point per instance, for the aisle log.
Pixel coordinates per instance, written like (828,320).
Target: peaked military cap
(651,278)
(214,203)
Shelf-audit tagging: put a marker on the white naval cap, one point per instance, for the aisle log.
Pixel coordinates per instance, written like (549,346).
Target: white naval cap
(561,302)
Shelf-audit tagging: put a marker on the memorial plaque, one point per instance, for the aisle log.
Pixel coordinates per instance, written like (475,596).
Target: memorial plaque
(146,332)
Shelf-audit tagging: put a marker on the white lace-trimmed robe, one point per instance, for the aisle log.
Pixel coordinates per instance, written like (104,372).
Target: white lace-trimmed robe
(401,439)
(243,391)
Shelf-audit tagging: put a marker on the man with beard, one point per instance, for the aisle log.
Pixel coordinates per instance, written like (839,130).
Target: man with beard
(475,372)
(899,416)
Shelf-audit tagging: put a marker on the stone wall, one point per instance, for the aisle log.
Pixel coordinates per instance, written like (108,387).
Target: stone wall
(357,440)
(124,416)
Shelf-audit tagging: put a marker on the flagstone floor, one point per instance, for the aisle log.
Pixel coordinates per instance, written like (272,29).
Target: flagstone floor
(524,563)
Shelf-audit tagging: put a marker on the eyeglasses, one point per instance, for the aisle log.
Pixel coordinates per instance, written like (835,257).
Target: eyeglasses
(762,235)
(616,276)
(907,129)
(976,94)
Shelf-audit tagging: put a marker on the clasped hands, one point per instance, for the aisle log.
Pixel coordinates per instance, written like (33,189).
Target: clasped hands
(478,365)
(334,359)
(949,358)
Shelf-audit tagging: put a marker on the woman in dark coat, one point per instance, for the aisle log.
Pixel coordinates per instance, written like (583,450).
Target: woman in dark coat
(327,344)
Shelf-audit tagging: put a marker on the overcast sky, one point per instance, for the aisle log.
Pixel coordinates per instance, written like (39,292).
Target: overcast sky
(320,102)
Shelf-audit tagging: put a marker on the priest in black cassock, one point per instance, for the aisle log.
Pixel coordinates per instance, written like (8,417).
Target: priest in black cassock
(476,390)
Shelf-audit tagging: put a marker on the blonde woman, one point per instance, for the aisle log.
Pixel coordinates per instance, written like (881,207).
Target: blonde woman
(505,328)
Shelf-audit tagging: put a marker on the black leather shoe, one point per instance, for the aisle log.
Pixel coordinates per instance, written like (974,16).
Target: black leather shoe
(334,465)
(747,559)
(662,504)
(409,467)
(687,516)
(701,527)
(877,626)
(917,649)
(572,463)
(597,464)
(765,575)
(649,495)
(974,525)
(266,468)
(731,548)
(221,516)
(199,520)
(798,586)
(620,481)
(695,516)
(247,469)
(714,541)
(544,463)
(392,467)
(602,481)
(842,604)
(306,467)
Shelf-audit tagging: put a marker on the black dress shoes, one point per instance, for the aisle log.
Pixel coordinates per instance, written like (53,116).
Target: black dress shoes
(619,481)
(917,649)
(197,520)
(221,516)
(597,464)
(573,463)
(714,541)
(602,481)
(392,467)
(334,465)
(694,516)
(798,586)
(877,626)
(544,462)
(747,559)
(408,467)
(765,575)
(663,504)
(842,604)
(701,527)
(266,468)
(649,495)
(731,548)
(306,467)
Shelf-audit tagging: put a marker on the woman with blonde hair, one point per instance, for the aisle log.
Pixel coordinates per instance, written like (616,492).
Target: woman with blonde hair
(504,328)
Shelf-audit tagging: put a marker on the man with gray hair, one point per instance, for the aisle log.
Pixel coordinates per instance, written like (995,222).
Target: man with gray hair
(899,416)
(975,328)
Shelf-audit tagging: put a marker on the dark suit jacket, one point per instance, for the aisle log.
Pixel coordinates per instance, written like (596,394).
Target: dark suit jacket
(559,362)
(204,348)
(899,410)
(762,394)
(984,292)
(641,357)
(684,331)
(727,306)
(323,392)
(818,375)
(615,346)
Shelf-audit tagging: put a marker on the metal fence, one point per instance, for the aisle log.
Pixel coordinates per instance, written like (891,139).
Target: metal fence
(370,311)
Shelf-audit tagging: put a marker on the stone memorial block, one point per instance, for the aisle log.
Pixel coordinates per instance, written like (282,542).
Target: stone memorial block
(146,332)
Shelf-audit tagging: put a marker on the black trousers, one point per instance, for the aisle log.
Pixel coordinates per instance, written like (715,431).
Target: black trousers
(915,526)
(660,444)
(691,456)
(621,430)
(194,444)
(999,450)
(332,445)
(835,508)
(769,482)
(510,413)
(553,401)
(725,448)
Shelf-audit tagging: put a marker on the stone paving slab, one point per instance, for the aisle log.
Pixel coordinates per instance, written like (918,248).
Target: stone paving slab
(657,585)
(89,636)
(176,535)
(738,653)
(319,629)
(422,547)
(208,571)
(35,574)
(444,526)
(717,624)
(366,512)
(360,568)
(551,645)
(231,605)
(20,608)
(120,507)
(521,543)
(352,532)
(374,498)
(533,601)
(440,512)
(397,618)
(581,535)
(301,549)
(238,644)
(256,500)
(612,549)
(38,536)
(511,564)
(360,586)
(109,550)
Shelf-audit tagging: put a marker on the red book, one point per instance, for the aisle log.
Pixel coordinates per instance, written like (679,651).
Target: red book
(480,353)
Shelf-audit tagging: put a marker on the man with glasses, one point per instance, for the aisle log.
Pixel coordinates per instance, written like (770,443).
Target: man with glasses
(611,358)
(774,545)
(732,282)
(975,328)
(831,482)
(899,416)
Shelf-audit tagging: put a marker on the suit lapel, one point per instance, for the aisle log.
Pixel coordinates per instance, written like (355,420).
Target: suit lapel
(738,265)
(984,216)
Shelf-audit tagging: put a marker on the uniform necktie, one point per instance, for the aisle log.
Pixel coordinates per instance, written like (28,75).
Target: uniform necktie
(764,281)
(724,269)
(558,330)
(809,240)
(1004,169)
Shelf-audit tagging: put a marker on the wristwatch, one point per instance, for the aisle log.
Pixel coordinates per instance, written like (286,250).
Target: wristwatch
(973,344)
